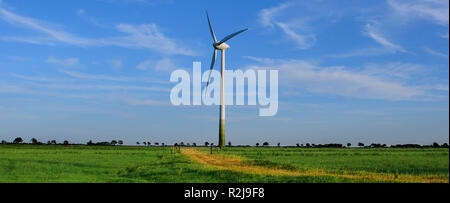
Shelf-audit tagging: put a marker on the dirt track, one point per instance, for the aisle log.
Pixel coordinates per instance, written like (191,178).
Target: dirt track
(233,163)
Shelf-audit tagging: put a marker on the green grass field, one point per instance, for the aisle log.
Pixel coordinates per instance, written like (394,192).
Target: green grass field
(28,163)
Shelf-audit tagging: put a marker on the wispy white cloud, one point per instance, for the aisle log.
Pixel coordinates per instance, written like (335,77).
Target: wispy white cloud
(34,40)
(164,64)
(362,52)
(444,88)
(302,41)
(390,83)
(80,11)
(146,36)
(375,34)
(8,88)
(17,58)
(111,78)
(39,78)
(436,53)
(145,65)
(94,77)
(383,23)
(145,102)
(115,63)
(16,89)
(39,82)
(128,1)
(68,62)
(83,15)
(434,10)
(260,60)
(42,27)
(394,70)
(268,18)
(99,87)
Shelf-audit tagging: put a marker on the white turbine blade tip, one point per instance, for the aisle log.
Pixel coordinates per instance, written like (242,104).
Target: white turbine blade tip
(211,28)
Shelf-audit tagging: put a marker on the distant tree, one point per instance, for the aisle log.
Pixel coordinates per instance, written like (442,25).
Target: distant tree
(211,148)
(229,144)
(120,142)
(436,145)
(138,143)
(90,142)
(4,142)
(49,142)
(445,145)
(279,145)
(188,144)
(102,143)
(18,140)
(54,142)
(298,145)
(206,143)
(114,142)
(156,143)
(349,144)
(265,144)
(360,144)
(145,143)
(182,144)
(66,142)
(163,144)
(176,145)
(257,144)
(194,144)
(308,145)
(149,143)
(34,141)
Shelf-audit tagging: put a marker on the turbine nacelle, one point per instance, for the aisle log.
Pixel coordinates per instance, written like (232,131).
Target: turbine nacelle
(221,46)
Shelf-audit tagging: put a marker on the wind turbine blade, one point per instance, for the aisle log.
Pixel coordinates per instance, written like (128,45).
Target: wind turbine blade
(210,28)
(210,69)
(231,36)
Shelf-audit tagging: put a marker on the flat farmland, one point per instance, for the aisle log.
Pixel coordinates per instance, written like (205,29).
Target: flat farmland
(129,164)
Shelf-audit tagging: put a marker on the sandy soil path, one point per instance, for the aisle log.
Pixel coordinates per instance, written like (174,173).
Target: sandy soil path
(234,163)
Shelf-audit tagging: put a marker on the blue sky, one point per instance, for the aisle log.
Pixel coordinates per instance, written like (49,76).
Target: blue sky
(349,71)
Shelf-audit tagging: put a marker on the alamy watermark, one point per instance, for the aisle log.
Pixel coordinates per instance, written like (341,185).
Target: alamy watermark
(258,92)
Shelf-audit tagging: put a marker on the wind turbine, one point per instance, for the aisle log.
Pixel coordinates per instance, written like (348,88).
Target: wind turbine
(222,46)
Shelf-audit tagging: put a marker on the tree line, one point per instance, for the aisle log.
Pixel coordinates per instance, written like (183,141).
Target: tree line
(34,141)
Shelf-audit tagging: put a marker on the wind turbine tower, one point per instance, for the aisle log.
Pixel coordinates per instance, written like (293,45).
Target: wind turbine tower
(222,46)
